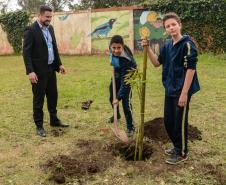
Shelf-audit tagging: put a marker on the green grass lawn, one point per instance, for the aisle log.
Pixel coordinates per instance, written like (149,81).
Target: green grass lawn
(22,152)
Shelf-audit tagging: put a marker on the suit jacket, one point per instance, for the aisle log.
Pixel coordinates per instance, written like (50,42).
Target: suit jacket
(35,50)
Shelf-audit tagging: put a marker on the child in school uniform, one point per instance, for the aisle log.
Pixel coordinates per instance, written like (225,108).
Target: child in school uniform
(178,57)
(122,60)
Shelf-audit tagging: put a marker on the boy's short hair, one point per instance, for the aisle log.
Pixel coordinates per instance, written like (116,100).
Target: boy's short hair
(171,15)
(44,8)
(117,39)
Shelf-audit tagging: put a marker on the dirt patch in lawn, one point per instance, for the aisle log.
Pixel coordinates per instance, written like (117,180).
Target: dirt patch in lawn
(155,130)
(92,157)
(89,157)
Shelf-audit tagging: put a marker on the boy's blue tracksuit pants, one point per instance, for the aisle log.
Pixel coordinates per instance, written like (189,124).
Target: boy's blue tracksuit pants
(173,116)
(126,104)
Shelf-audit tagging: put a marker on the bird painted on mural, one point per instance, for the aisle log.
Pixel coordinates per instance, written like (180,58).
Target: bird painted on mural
(103,29)
(63,18)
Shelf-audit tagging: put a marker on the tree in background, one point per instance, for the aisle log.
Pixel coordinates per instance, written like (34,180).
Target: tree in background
(30,5)
(13,24)
(58,5)
(3,6)
(85,4)
(33,5)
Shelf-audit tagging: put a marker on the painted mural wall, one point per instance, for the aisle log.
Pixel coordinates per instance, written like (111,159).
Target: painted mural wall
(148,24)
(5,47)
(107,24)
(86,32)
(71,32)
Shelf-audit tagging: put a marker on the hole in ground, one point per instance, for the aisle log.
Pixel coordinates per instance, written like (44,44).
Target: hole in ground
(127,150)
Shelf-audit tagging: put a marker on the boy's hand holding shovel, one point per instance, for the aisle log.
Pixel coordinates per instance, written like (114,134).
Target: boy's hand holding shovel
(115,102)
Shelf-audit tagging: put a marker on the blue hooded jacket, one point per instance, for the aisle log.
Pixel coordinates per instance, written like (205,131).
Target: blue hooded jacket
(122,65)
(175,60)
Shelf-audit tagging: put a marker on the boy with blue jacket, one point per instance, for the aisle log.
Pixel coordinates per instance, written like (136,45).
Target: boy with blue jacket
(178,58)
(122,60)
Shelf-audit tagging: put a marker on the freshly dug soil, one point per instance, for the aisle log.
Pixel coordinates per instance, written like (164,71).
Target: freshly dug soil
(93,156)
(90,158)
(155,130)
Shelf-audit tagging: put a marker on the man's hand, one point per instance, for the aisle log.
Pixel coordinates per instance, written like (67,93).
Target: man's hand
(144,42)
(33,77)
(62,69)
(115,102)
(183,99)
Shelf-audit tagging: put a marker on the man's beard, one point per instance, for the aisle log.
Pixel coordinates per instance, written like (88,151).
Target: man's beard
(46,23)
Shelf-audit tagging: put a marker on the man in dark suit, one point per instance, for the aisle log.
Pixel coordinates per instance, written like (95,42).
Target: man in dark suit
(42,60)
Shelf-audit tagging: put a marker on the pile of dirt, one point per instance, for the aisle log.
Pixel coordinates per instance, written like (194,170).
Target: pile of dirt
(194,133)
(155,130)
(66,166)
(90,158)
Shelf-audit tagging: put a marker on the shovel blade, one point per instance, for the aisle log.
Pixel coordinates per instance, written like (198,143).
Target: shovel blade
(120,134)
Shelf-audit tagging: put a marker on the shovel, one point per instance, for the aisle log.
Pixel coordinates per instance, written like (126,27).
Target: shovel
(120,134)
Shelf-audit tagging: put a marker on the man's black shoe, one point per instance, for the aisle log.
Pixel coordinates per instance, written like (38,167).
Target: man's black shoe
(58,123)
(41,132)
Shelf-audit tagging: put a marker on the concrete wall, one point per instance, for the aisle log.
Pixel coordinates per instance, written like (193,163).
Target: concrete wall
(5,47)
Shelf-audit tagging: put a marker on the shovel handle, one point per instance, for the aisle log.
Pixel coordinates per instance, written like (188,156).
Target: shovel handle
(114,96)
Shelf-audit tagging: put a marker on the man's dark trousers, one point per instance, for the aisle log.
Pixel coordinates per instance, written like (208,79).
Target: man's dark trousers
(46,86)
